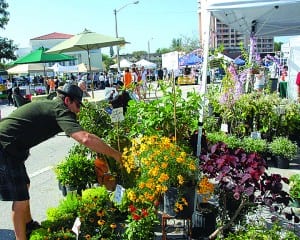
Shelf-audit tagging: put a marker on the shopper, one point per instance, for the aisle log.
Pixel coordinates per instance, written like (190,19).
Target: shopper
(28,126)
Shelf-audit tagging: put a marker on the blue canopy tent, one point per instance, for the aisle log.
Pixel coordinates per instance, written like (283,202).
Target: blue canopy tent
(190,59)
(238,61)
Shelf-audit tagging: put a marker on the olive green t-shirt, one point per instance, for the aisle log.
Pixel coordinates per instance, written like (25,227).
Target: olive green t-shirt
(34,123)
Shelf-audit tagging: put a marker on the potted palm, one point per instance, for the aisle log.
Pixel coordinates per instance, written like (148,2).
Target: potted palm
(283,151)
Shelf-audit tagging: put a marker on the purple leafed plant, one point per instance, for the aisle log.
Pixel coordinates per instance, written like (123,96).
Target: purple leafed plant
(242,182)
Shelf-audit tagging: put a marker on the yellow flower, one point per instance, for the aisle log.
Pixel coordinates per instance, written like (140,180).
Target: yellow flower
(113,225)
(101,222)
(164,165)
(180,179)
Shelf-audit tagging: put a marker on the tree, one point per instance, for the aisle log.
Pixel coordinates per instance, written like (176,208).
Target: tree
(277,46)
(163,50)
(107,61)
(176,44)
(138,54)
(7,47)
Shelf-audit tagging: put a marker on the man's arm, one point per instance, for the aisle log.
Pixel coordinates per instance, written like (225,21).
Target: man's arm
(96,144)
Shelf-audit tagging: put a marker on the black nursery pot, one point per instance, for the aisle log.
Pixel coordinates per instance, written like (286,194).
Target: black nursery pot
(281,162)
(204,221)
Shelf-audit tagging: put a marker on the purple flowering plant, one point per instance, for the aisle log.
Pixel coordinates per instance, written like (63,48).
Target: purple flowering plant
(242,183)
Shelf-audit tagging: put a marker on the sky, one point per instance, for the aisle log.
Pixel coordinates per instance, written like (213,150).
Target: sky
(153,21)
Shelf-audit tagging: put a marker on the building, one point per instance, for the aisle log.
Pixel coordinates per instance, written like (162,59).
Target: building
(221,33)
(52,39)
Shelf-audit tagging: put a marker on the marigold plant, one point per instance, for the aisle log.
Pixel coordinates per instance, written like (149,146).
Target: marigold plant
(158,163)
(205,188)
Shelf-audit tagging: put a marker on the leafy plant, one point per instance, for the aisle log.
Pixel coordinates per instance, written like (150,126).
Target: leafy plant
(294,186)
(241,181)
(170,115)
(141,223)
(76,170)
(262,232)
(250,144)
(282,146)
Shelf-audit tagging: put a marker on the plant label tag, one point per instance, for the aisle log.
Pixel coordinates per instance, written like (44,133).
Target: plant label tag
(119,193)
(117,115)
(256,135)
(224,127)
(76,226)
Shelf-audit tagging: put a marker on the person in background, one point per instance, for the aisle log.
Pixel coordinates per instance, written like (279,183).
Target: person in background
(120,99)
(59,115)
(260,80)
(82,86)
(102,81)
(143,82)
(9,90)
(127,79)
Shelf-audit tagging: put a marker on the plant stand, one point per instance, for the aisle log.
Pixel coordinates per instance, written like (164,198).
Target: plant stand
(173,228)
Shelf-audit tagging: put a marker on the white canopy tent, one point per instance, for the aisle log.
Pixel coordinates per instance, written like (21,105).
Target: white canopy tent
(124,63)
(28,68)
(145,64)
(72,69)
(263,18)
(250,17)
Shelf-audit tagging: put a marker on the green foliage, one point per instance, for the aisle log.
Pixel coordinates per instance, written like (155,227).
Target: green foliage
(170,115)
(98,215)
(262,232)
(294,186)
(99,193)
(94,119)
(7,47)
(141,223)
(106,60)
(282,146)
(215,137)
(66,209)
(250,144)
(76,170)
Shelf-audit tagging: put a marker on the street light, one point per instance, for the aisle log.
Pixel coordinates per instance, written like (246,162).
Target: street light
(149,48)
(116,27)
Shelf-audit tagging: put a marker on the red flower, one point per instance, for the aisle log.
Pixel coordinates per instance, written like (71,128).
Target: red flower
(132,208)
(144,213)
(136,217)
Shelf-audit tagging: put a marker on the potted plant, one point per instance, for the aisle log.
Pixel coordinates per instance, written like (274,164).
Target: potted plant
(294,190)
(283,151)
(250,144)
(241,184)
(76,171)
(161,167)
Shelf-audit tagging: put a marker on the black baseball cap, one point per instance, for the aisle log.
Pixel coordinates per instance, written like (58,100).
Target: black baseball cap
(72,91)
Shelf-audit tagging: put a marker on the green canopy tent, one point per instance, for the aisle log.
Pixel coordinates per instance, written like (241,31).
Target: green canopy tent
(86,41)
(40,56)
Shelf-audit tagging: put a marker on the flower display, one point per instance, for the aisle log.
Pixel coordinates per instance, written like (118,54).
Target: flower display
(205,188)
(159,164)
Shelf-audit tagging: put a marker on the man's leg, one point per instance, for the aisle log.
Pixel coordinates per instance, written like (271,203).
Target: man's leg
(20,216)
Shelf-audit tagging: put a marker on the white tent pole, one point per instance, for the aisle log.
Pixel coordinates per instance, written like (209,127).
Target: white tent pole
(205,27)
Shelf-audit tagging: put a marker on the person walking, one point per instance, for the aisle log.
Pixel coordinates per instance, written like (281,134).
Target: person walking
(28,126)
(9,91)
(82,86)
